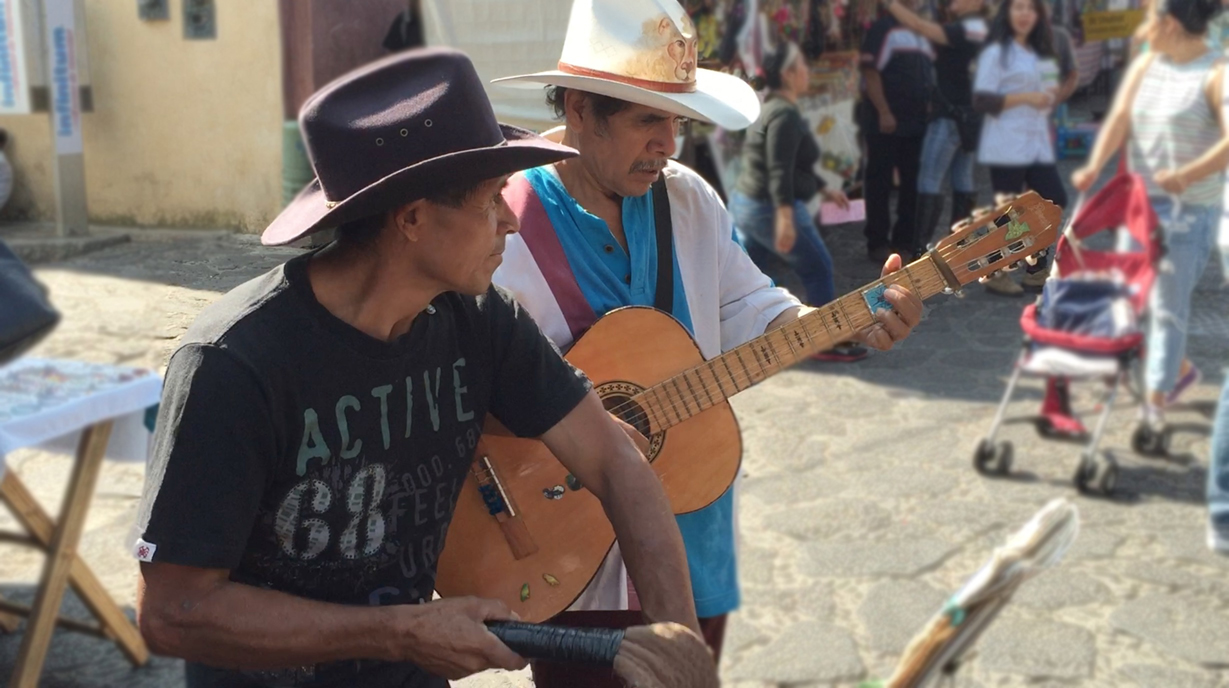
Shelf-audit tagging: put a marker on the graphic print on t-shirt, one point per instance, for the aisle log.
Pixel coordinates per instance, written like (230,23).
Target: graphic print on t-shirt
(370,466)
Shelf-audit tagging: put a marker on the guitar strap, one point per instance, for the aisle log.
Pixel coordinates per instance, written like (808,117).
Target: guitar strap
(548,253)
(663,300)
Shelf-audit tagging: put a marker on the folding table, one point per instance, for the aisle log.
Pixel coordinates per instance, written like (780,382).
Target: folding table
(102,411)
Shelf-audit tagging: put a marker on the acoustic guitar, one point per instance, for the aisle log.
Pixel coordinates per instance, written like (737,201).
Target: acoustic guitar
(527,532)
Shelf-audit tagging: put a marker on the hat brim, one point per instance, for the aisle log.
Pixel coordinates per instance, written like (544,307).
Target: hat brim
(723,99)
(310,211)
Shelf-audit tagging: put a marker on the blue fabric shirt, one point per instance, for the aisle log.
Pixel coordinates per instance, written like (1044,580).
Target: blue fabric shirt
(611,278)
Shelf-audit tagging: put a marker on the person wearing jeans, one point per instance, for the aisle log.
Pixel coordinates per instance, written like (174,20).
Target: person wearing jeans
(944,150)
(1170,112)
(777,179)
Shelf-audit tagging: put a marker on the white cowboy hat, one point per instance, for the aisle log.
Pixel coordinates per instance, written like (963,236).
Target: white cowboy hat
(644,51)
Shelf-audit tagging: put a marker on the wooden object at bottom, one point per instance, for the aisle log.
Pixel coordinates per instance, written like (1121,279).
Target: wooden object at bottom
(59,539)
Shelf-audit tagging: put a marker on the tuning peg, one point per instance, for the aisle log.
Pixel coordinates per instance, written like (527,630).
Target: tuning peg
(1031,260)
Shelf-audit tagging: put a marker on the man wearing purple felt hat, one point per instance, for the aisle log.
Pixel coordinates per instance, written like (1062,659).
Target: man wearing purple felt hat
(317,422)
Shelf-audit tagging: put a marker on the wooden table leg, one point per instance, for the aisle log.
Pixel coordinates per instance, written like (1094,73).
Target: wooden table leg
(62,553)
(30,514)
(8,622)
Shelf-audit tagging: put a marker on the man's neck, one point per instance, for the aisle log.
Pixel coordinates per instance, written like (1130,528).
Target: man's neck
(583,187)
(361,288)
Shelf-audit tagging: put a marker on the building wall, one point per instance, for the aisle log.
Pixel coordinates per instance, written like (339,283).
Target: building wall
(184,132)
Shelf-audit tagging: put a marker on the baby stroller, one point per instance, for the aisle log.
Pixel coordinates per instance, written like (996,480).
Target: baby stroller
(1086,325)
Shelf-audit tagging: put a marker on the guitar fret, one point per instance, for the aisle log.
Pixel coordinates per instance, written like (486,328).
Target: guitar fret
(912,282)
(730,373)
(843,306)
(691,390)
(658,393)
(701,375)
(750,377)
(679,393)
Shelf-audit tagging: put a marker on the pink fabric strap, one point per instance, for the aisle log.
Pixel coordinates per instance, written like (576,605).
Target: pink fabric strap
(543,243)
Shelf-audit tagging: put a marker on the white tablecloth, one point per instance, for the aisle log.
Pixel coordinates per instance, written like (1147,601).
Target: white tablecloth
(46,403)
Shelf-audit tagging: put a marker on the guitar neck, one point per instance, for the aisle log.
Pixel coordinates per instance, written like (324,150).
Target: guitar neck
(691,392)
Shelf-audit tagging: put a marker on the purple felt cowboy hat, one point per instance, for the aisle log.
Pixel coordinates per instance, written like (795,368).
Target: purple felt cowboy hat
(398,130)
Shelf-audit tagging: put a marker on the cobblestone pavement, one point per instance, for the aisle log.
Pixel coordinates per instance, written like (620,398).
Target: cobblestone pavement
(859,509)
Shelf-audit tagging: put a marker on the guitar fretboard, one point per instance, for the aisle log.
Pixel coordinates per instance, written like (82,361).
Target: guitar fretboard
(689,393)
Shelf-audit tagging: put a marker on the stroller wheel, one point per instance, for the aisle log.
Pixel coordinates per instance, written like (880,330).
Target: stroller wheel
(1149,441)
(1096,475)
(993,459)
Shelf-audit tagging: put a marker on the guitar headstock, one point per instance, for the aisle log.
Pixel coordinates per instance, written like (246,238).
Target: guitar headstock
(998,238)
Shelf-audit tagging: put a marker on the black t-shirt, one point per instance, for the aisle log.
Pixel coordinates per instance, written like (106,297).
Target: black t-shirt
(954,62)
(307,457)
(903,60)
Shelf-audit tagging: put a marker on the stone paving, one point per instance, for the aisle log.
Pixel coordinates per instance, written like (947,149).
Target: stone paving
(859,508)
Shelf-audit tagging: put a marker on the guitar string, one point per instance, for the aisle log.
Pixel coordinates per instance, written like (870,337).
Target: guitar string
(737,379)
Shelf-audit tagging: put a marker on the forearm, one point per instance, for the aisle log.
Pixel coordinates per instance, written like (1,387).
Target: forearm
(874,91)
(238,626)
(1214,160)
(1110,140)
(784,215)
(1016,100)
(928,29)
(787,316)
(1067,88)
(652,547)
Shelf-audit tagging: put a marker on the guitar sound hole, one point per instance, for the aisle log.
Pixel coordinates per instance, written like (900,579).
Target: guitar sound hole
(617,398)
(628,411)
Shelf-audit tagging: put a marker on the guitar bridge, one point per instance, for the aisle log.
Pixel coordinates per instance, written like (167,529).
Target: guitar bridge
(500,505)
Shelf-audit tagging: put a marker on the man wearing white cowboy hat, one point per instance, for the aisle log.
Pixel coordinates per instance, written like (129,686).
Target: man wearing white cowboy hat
(317,422)
(626,78)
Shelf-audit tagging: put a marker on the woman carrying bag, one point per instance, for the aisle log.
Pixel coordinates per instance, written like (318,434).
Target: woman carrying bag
(1169,115)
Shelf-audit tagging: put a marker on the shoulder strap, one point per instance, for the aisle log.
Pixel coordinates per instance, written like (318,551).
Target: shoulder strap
(543,244)
(664,298)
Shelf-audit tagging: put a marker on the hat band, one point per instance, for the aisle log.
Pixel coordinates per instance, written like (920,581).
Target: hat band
(659,86)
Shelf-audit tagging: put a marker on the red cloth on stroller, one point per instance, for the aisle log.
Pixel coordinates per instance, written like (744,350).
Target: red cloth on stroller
(1121,204)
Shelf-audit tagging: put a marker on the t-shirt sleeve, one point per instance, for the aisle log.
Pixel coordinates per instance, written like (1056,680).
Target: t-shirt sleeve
(213,449)
(872,45)
(1065,53)
(782,137)
(989,71)
(954,31)
(534,387)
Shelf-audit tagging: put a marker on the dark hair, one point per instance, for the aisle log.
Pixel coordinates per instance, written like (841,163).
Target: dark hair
(774,63)
(1193,15)
(1040,39)
(4,138)
(364,230)
(603,106)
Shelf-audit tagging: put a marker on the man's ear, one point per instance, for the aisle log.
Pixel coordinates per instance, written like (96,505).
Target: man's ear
(574,110)
(410,218)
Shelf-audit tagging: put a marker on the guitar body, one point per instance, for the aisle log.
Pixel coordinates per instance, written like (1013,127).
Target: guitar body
(560,531)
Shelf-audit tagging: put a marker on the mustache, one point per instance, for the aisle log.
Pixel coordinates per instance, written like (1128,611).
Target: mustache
(649,166)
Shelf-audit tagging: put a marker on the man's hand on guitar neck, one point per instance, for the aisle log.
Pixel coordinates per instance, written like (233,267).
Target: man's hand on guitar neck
(892,326)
